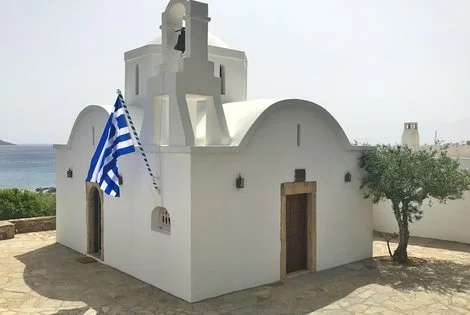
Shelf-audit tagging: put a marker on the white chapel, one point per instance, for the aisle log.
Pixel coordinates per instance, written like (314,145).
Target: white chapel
(249,191)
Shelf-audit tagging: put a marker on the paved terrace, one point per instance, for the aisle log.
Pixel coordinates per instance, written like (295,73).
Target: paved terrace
(39,276)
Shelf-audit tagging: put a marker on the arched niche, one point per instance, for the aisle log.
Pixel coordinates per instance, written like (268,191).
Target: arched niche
(160,220)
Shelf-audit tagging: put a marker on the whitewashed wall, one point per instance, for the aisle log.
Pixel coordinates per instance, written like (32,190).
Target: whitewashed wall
(235,64)
(71,203)
(461,151)
(149,58)
(129,243)
(236,232)
(450,221)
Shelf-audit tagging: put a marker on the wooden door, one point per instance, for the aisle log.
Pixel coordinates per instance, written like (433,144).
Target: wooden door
(96,221)
(296,232)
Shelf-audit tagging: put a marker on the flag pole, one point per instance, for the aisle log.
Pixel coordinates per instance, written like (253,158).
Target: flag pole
(136,136)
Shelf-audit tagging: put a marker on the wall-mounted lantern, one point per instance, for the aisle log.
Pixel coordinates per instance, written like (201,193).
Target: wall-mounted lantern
(240,181)
(120,179)
(347,177)
(69,173)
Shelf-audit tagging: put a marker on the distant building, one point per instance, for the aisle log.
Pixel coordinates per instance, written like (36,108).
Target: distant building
(448,221)
(250,191)
(410,137)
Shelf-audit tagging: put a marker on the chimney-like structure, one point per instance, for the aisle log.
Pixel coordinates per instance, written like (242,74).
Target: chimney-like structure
(410,136)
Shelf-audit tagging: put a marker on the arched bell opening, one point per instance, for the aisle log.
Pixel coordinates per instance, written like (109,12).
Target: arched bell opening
(175,27)
(175,12)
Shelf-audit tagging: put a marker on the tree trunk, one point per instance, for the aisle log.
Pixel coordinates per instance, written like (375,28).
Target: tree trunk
(401,255)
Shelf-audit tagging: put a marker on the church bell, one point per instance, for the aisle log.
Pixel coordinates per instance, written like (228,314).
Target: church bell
(180,44)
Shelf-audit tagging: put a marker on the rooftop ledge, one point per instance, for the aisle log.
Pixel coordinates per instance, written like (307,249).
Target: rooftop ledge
(209,148)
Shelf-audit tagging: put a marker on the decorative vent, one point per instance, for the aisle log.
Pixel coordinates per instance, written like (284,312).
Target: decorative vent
(161,221)
(165,220)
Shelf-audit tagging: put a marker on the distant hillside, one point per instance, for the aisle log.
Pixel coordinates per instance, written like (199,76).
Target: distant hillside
(5,143)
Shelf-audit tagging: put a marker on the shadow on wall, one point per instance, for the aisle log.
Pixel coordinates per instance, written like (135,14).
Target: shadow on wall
(54,272)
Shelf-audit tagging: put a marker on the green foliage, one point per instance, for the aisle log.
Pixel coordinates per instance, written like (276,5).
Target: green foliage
(19,203)
(408,178)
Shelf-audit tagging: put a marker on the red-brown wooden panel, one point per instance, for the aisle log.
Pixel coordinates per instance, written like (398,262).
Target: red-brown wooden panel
(296,232)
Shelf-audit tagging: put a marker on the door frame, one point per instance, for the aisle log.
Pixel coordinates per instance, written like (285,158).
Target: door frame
(90,221)
(293,188)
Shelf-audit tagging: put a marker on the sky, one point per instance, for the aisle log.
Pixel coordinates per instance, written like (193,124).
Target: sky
(372,64)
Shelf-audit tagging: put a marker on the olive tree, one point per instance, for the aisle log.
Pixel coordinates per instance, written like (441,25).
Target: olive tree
(408,178)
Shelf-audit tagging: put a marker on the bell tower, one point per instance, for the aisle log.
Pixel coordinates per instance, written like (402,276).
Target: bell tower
(185,89)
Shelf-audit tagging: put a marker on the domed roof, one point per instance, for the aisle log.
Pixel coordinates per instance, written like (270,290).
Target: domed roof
(212,40)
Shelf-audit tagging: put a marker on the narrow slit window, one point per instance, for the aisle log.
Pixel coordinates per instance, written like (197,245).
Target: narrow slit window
(222,79)
(137,80)
(298,134)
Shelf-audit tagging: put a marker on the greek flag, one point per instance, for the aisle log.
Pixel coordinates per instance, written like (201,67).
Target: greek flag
(115,141)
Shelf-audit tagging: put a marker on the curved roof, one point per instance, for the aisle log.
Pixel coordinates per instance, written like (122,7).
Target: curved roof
(83,113)
(137,115)
(212,40)
(243,118)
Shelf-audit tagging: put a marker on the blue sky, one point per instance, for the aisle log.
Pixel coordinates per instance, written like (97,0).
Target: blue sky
(372,64)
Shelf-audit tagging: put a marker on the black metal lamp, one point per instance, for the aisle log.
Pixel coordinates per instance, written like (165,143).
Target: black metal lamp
(240,181)
(69,173)
(347,177)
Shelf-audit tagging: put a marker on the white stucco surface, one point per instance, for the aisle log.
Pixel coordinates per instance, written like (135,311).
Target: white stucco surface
(456,150)
(71,227)
(212,40)
(243,118)
(150,60)
(236,232)
(198,139)
(129,243)
(450,221)
(223,239)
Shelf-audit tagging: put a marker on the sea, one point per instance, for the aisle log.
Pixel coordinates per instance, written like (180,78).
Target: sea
(27,166)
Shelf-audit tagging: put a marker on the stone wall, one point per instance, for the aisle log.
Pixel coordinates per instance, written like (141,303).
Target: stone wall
(7,230)
(34,224)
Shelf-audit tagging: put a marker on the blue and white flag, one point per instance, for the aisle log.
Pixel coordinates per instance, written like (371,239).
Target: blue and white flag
(115,142)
